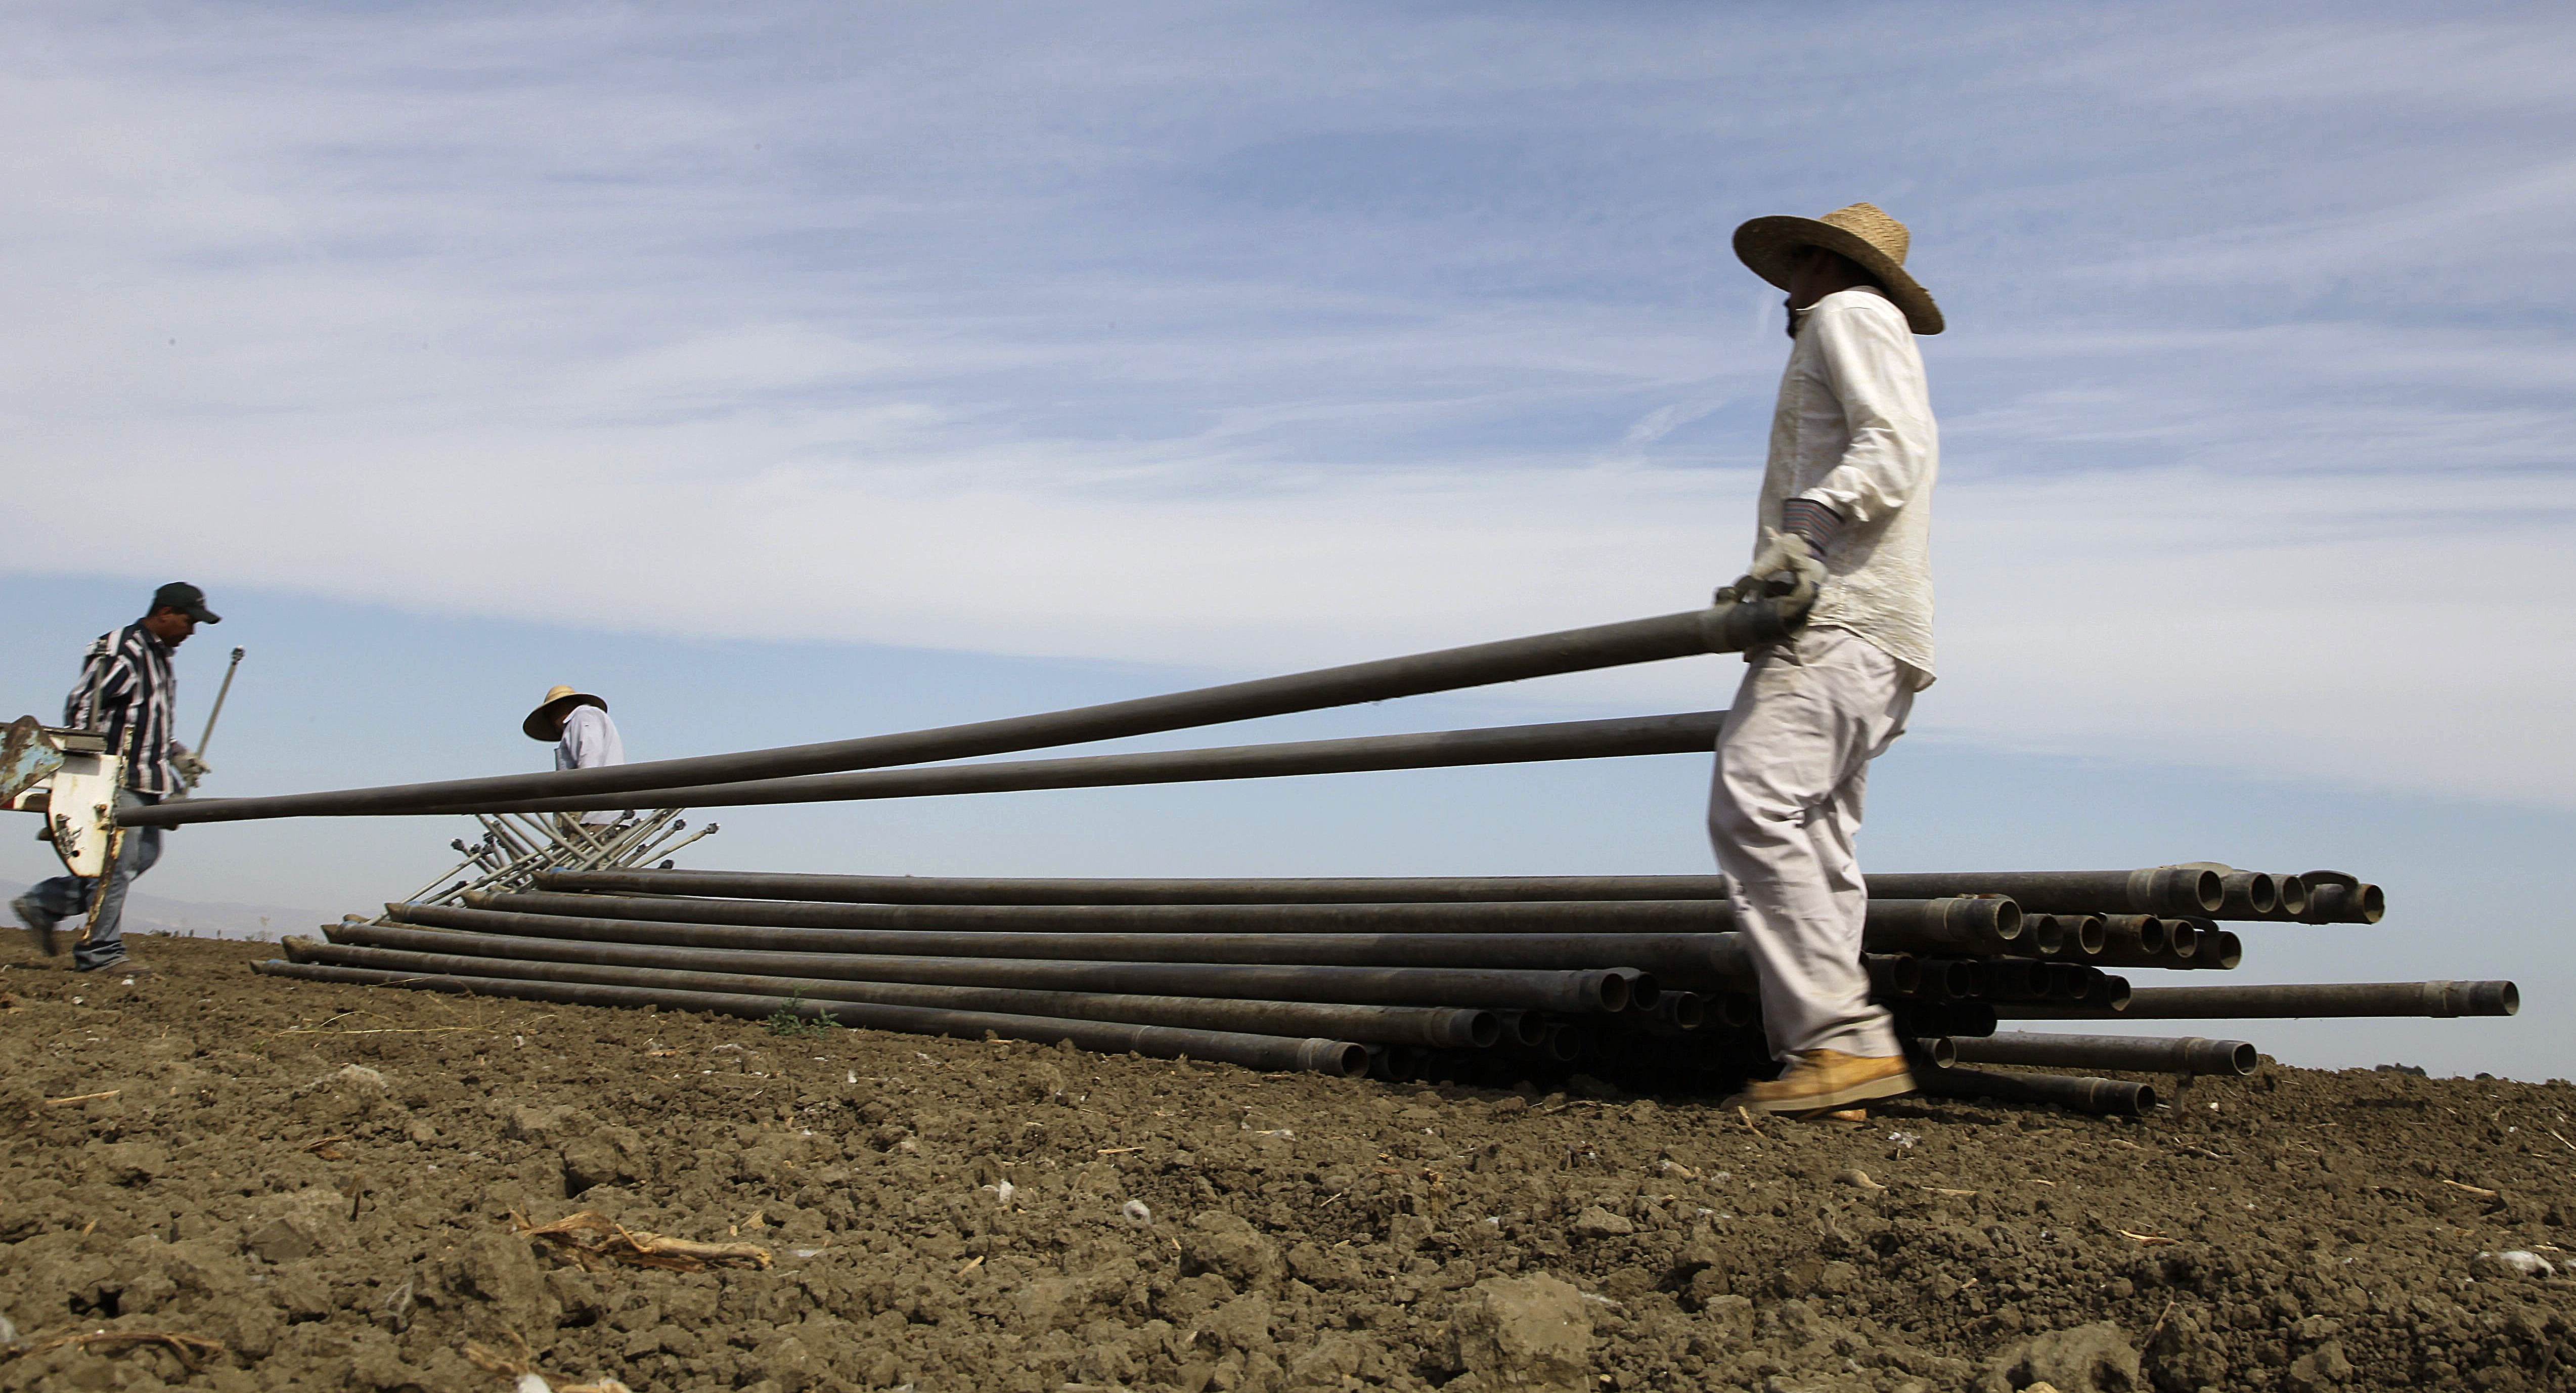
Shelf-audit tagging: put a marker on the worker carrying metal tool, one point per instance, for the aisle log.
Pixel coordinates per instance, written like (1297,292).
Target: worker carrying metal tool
(128,695)
(584,738)
(1845,515)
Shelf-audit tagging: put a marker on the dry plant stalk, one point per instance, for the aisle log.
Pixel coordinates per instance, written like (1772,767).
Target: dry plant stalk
(188,1348)
(590,1240)
(506,1366)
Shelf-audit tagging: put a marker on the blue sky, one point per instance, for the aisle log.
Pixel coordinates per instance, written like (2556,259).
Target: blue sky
(794,372)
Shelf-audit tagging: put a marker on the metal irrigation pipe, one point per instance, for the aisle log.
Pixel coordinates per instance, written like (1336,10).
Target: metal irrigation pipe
(1447,1027)
(2006,979)
(2151,890)
(2109,1097)
(2137,940)
(2249,895)
(2042,937)
(1162,1042)
(1678,1012)
(2155,890)
(1953,1018)
(1644,992)
(2189,1055)
(1723,629)
(1955,925)
(1578,991)
(2436,998)
(2073,937)
(1694,961)
(938,890)
(2337,898)
(1927,979)
(1893,974)
(1690,733)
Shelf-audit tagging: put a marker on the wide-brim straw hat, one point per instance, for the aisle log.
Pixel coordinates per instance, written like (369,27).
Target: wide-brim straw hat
(1863,233)
(546,722)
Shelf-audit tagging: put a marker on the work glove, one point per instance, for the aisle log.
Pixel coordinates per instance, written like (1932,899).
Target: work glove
(190,768)
(1785,566)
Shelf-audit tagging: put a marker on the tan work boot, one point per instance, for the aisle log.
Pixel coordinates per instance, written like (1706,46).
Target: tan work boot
(1821,1080)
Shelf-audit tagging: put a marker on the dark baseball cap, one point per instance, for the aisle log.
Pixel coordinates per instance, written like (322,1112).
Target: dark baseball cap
(185,598)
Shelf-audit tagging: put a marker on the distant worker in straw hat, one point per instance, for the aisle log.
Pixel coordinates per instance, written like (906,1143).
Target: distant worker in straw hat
(1846,511)
(584,737)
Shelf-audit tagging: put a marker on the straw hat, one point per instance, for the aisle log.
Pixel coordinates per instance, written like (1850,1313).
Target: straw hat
(1863,233)
(546,722)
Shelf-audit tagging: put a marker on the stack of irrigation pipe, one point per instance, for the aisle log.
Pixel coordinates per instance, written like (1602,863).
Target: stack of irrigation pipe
(1453,976)
(1402,976)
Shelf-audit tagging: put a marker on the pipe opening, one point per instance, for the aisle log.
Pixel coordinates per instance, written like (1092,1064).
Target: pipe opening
(2157,936)
(2092,936)
(2047,934)
(2182,938)
(2294,894)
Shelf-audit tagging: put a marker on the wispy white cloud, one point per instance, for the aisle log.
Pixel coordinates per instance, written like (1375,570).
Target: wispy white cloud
(1250,339)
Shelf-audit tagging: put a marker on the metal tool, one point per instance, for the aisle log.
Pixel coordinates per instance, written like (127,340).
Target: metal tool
(220,693)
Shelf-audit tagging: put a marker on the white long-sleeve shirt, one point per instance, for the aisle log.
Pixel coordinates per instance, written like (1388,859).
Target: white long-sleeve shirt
(1853,430)
(590,741)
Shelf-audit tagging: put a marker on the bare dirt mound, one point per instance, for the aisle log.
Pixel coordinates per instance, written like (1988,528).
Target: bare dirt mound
(330,1183)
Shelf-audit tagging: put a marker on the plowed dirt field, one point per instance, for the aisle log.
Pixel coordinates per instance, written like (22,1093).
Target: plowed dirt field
(326,1187)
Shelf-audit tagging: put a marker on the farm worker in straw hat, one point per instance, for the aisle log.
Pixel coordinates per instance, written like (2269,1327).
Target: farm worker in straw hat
(1846,510)
(585,737)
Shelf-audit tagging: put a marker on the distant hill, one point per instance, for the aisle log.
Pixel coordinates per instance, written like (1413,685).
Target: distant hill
(188,918)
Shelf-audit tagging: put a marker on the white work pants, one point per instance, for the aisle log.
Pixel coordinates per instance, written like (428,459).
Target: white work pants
(1792,761)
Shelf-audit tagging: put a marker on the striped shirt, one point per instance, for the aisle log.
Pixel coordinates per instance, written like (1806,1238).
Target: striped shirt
(127,674)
